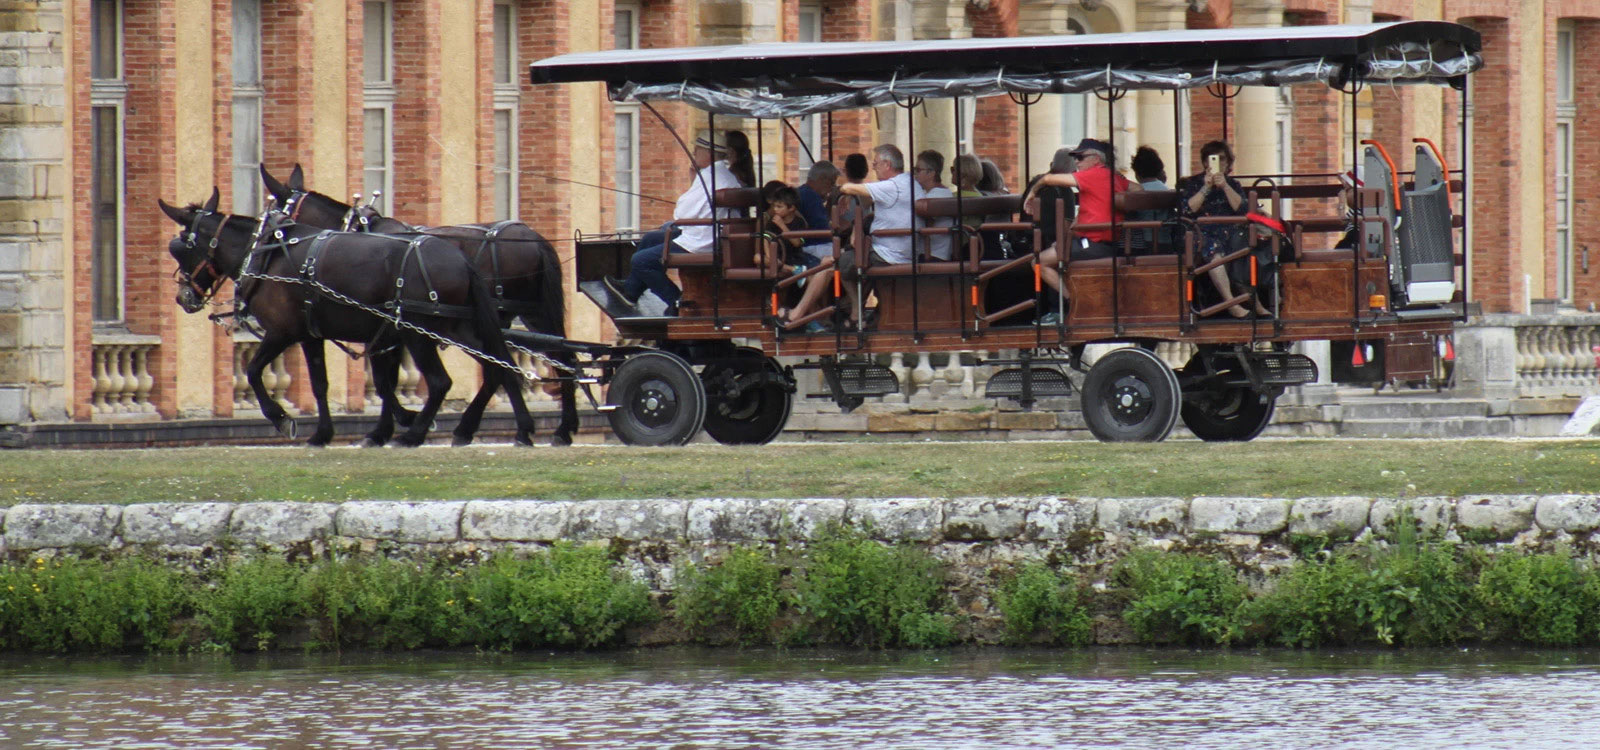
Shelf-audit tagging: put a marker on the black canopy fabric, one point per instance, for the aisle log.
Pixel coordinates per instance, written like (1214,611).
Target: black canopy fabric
(787,79)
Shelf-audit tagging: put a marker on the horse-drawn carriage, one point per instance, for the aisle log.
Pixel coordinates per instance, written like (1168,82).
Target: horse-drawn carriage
(1386,299)
(1386,302)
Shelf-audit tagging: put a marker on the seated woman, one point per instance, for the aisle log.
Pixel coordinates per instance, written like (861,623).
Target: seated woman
(1214,193)
(1151,174)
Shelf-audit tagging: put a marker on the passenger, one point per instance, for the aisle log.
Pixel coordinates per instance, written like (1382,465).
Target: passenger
(772,187)
(1044,214)
(993,181)
(1096,183)
(739,160)
(930,166)
(1151,174)
(783,215)
(820,181)
(1352,211)
(855,168)
(647,270)
(1214,193)
(891,198)
(966,174)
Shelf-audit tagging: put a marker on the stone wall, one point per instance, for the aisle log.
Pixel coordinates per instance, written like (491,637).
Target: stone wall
(978,537)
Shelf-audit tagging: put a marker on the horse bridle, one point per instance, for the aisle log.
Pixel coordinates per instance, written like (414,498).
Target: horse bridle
(207,258)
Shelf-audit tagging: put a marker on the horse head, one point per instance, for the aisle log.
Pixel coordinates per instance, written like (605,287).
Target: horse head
(200,270)
(304,206)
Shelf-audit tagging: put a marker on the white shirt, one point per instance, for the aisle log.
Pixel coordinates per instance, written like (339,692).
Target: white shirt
(695,203)
(938,246)
(891,209)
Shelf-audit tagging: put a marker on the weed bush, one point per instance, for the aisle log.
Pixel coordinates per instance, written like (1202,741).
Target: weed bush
(857,591)
(1409,594)
(1041,605)
(569,597)
(381,603)
(251,602)
(1544,599)
(1180,597)
(86,605)
(741,593)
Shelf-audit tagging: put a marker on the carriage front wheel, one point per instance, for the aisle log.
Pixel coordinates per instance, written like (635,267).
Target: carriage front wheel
(748,399)
(1130,395)
(656,399)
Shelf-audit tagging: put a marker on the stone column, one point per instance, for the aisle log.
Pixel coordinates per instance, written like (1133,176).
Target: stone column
(935,121)
(33,181)
(1156,108)
(1038,18)
(1254,116)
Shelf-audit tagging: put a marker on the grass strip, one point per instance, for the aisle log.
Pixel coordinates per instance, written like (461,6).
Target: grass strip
(1267,468)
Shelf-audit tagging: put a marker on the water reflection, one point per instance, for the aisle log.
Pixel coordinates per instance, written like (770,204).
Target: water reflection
(808,699)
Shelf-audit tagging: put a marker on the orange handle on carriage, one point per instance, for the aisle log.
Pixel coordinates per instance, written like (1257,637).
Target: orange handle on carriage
(1394,172)
(1437,154)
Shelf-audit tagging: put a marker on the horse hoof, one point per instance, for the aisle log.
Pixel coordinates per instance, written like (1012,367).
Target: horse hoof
(372,442)
(561,440)
(460,440)
(285,426)
(406,441)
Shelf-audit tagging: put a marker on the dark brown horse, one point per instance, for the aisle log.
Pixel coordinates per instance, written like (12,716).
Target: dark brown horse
(304,285)
(521,267)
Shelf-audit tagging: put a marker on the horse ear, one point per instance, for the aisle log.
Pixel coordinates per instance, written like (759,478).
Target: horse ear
(216,197)
(297,178)
(277,189)
(174,213)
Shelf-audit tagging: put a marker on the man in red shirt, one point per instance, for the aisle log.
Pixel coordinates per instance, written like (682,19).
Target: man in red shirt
(1096,183)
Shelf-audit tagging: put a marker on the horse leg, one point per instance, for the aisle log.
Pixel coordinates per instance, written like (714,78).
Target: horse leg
(270,408)
(317,367)
(513,385)
(569,404)
(427,359)
(472,416)
(384,383)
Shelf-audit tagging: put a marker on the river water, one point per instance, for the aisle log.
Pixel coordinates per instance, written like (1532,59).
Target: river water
(677,698)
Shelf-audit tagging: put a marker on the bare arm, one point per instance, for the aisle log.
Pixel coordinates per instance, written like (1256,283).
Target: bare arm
(856,189)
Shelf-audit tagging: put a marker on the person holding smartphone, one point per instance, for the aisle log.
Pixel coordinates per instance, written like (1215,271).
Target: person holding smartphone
(1215,193)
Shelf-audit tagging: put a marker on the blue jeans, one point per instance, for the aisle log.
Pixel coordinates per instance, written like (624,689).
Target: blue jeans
(646,270)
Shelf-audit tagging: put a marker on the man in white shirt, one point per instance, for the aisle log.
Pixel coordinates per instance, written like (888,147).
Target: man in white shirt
(891,198)
(647,271)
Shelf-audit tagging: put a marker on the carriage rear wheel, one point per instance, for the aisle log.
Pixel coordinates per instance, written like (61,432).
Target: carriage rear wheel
(742,412)
(1130,395)
(1236,414)
(658,400)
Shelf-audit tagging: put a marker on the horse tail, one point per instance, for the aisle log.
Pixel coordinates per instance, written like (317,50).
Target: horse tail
(486,319)
(552,295)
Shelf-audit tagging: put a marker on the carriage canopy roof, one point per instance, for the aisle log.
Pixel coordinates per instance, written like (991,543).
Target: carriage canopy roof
(789,79)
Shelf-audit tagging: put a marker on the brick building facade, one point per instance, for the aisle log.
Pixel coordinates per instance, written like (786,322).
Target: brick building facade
(110,104)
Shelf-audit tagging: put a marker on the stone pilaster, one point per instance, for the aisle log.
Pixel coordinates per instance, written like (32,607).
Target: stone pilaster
(33,182)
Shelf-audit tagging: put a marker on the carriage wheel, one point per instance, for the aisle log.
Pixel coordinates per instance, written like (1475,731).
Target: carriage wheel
(756,415)
(1130,395)
(658,400)
(1236,414)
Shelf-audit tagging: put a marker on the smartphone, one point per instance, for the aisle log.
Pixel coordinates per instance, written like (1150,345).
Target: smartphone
(1214,163)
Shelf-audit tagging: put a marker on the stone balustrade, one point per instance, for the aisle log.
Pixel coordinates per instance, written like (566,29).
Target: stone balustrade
(408,389)
(276,378)
(121,375)
(1528,357)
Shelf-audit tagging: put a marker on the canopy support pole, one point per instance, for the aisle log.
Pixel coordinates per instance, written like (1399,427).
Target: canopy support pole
(716,228)
(1110,97)
(956,228)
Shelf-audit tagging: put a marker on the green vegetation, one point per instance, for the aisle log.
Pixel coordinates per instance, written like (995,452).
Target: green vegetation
(1546,599)
(1177,597)
(1041,605)
(844,588)
(858,591)
(1276,468)
(741,594)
